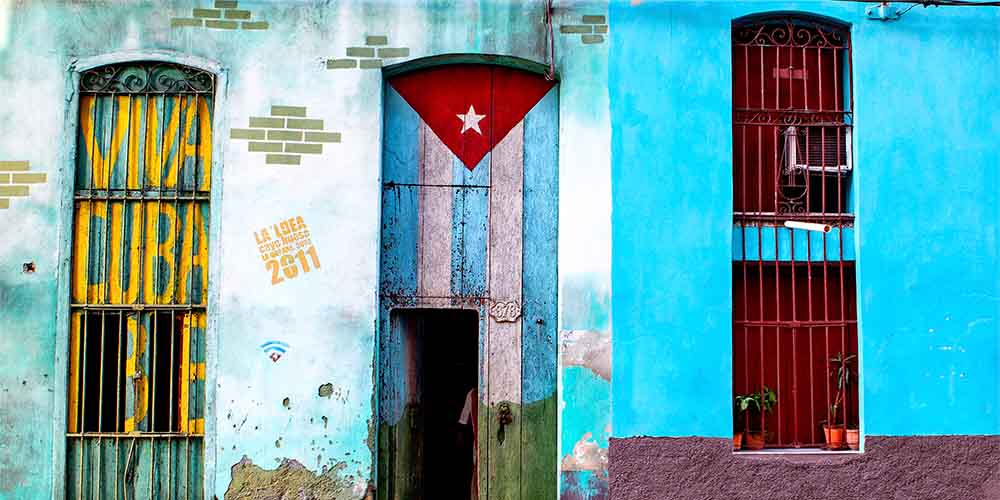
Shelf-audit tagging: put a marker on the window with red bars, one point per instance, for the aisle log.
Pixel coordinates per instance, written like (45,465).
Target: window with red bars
(794,300)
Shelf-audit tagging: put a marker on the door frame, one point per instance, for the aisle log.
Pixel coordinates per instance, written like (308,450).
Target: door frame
(387,304)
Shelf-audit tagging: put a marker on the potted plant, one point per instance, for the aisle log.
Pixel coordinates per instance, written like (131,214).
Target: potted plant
(853,436)
(752,406)
(833,430)
(737,427)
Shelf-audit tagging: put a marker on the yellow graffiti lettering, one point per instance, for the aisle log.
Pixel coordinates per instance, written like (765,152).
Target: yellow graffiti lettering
(204,145)
(81,251)
(186,255)
(152,159)
(134,136)
(161,218)
(74,371)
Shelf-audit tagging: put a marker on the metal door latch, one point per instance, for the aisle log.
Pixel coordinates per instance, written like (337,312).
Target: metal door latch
(504,418)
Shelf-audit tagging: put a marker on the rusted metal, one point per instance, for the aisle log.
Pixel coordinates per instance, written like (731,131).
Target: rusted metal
(792,122)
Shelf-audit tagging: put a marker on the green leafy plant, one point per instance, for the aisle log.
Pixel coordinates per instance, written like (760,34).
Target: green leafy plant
(841,365)
(758,402)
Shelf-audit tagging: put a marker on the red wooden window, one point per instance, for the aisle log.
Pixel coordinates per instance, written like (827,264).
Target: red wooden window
(793,289)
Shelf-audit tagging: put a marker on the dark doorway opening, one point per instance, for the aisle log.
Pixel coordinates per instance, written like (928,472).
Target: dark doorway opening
(442,366)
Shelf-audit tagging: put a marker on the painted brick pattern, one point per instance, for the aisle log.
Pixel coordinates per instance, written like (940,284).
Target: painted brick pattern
(16,181)
(224,15)
(370,56)
(285,135)
(592,29)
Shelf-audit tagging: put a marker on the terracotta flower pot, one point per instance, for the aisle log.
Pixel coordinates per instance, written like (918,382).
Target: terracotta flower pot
(737,440)
(834,436)
(754,441)
(852,438)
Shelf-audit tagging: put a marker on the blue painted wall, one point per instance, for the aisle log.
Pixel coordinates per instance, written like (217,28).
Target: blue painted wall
(329,315)
(925,188)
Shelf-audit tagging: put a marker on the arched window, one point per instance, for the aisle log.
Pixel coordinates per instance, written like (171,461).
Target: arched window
(794,312)
(139,282)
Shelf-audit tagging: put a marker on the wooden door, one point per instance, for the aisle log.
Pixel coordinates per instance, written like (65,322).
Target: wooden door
(469,220)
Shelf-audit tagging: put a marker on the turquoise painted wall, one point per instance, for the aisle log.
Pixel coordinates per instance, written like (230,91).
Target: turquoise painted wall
(926,198)
(327,316)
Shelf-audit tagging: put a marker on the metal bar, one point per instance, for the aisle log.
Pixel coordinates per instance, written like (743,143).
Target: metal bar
(117,194)
(836,79)
(797,324)
(187,465)
(795,387)
(153,375)
(746,78)
(124,210)
(777,79)
(809,297)
(118,387)
(760,247)
(82,423)
(152,463)
(173,366)
(777,285)
(819,70)
(108,168)
(143,434)
(743,244)
(762,103)
(100,408)
(805,86)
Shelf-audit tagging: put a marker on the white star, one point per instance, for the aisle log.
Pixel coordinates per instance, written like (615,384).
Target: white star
(471,120)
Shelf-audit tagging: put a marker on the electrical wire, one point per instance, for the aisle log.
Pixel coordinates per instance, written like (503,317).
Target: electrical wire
(937,3)
(929,3)
(551,73)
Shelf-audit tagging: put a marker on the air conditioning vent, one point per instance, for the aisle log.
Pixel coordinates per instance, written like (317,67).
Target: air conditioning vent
(818,149)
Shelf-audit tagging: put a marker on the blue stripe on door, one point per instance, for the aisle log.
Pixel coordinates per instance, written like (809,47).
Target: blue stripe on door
(540,227)
(400,232)
(401,141)
(470,224)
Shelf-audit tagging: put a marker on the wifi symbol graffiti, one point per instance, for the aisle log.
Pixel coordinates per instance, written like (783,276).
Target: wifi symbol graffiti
(274,349)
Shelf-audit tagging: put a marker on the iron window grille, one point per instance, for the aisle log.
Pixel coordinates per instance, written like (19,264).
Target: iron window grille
(139,283)
(793,290)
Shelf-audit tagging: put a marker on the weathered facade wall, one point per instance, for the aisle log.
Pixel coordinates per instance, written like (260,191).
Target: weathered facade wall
(306,420)
(645,208)
(924,193)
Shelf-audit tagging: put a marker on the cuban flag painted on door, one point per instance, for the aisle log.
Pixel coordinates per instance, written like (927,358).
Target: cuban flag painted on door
(470,219)
(461,144)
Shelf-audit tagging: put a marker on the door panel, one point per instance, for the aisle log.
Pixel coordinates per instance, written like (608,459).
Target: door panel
(464,228)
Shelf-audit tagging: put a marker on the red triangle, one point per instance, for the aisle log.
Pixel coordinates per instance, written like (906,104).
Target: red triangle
(498,96)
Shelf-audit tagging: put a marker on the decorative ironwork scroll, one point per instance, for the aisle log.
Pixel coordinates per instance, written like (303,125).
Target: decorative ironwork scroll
(147,77)
(782,32)
(791,117)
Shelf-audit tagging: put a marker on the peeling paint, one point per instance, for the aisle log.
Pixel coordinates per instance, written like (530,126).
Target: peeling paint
(587,455)
(290,480)
(589,349)
(325,390)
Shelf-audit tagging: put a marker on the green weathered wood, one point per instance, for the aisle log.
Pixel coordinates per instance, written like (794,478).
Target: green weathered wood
(504,468)
(409,456)
(482,447)
(539,458)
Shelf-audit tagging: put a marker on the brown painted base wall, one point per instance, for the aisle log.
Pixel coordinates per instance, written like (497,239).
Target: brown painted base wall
(891,468)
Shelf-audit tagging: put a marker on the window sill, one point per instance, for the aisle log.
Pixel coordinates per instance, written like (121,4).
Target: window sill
(816,456)
(797,451)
